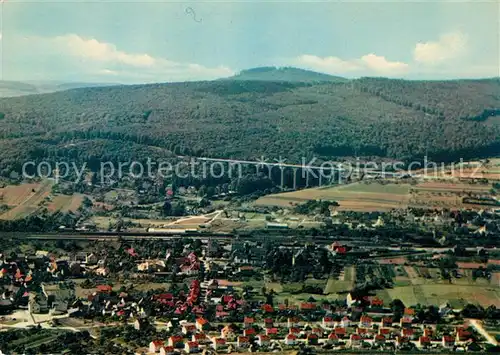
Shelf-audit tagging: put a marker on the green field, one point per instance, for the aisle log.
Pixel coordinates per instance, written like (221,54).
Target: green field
(334,285)
(437,294)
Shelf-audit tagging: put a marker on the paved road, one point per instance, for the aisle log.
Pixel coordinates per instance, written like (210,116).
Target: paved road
(478,326)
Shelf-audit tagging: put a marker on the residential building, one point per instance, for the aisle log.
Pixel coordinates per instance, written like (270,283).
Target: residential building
(448,341)
(291,339)
(155,346)
(192,347)
(243,342)
(355,340)
(263,340)
(167,350)
(424,341)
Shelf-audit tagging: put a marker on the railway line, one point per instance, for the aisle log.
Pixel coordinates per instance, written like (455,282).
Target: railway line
(283,238)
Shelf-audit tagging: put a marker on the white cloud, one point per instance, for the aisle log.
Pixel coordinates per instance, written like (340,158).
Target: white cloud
(92,49)
(381,65)
(367,64)
(328,64)
(449,46)
(69,57)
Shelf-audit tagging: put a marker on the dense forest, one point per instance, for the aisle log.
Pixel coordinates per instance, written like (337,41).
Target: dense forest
(371,117)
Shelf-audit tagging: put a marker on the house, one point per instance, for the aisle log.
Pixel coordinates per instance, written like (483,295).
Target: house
(272,332)
(167,350)
(379,339)
(333,339)
(409,312)
(294,331)
(248,322)
(424,341)
(290,339)
(407,332)
(405,322)
(462,335)
(355,298)
(365,322)
(307,306)
(155,346)
(386,322)
(192,347)
(384,331)
(402,341)
(188,328)
(200,338)
(340,332)
(104,289)
(312,339)
(448,341)
(218,343)
(361,331)
(355,340)
(263,340)
(328,322)
(345,322)
(429,332)
(376,302)
(243,342)
(250,332)
(268,323)
(202,324)
(228,332)
(176,341)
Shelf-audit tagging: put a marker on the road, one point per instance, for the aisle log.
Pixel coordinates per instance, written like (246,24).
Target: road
(478,326)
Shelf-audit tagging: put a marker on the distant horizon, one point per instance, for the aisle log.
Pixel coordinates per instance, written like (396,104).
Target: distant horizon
(277,67)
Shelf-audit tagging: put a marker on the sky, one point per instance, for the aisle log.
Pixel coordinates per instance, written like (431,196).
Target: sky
(162,41)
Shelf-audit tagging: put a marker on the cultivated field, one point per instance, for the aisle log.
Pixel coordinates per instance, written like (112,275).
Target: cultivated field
(438,294)
(364,196)
(65,203)
(26,199)
(432,194)
(418,284)
(371,196)
(344,282)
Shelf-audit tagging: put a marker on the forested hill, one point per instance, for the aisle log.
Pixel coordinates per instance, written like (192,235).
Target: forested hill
(287,74)
(248,119)
(18,88)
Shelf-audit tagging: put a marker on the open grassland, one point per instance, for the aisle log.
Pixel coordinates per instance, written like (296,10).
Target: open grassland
(373,196)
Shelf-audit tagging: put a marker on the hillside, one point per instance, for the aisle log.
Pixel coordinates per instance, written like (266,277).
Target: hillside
(18,88)
(248,119)
(287,74)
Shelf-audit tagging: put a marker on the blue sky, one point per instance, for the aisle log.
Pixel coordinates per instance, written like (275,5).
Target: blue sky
(134,42)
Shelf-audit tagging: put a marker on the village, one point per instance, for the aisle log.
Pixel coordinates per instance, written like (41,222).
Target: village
(187,295)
